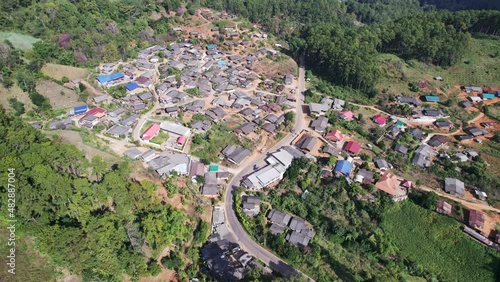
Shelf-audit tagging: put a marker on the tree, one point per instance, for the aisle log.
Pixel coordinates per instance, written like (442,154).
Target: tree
(153,267)
(332,160)
(172,262)
(17,106)
(110,53)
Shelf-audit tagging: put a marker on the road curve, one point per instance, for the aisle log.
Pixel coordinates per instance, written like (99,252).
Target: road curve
(234,226)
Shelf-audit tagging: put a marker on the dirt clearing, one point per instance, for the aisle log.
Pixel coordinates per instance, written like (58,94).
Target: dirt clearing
(72,137)
(490,221)
(59,96)
(165,276)
(270,68)
(58,71)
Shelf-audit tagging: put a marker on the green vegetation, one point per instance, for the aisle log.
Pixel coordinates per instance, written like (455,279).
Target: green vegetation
(382,11)
(348,244)
(19,41)
(82,207)
(17,106)
(474,174)
(30,265)
(346,54)
(116,91)
(193,91)
(160,138)
(361,240)
(438,244)
(208,146)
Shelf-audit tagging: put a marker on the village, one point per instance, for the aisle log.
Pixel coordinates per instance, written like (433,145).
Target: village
(206,111)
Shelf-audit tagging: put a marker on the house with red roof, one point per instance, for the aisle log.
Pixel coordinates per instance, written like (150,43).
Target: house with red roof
(346,115)
(151,132)
(181,140)
(352,147)
(380,120)
(476,219)
(443,207)
(335,135)
(92,117)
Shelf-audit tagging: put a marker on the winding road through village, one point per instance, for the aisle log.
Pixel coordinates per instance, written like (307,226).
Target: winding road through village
(232,222)
(234,226)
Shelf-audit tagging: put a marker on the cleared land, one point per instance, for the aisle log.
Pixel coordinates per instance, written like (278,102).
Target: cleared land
(59,96)
(73,137)
(58,71)
(478,67)
(270,68)
(438,244)
(20,41)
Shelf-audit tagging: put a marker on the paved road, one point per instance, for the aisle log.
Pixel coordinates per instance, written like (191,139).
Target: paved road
(243,239)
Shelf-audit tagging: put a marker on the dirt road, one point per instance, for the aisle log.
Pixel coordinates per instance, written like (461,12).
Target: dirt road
(471,205)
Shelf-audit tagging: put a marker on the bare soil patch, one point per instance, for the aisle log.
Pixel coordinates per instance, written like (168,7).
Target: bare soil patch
(490,221)
(270,68)
(58,71)
(165,276)
(59,96)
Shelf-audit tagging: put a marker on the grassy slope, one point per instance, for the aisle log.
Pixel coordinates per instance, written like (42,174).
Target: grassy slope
(437,243)
(14,92)
(21,41)
(57,71)
(30,265)
(479,67)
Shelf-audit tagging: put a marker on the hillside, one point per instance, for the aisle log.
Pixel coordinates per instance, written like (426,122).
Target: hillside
(115,195)
(479,66)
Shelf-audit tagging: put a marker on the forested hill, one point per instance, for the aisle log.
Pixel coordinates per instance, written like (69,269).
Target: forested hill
(87,216)
(454,5)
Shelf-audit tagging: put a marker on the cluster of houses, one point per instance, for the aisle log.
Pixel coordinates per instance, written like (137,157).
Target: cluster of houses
(475,219)
(176,132)
(299,233)
(277,163)
(118,122)
(223,256)
(167,163)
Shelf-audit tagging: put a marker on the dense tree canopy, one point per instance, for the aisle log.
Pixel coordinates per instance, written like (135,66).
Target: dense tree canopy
(87,216)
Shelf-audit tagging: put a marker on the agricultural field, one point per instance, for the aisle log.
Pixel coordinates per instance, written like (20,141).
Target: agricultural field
(59,96)
(479,67)
(56,71)
(20,41)
(438,244)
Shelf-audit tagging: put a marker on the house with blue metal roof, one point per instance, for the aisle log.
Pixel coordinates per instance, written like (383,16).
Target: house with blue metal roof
(80,109)
(343,167)
(131,86)
(431,98)
(211,47)
(487,96)
(222,63)
(105,79)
